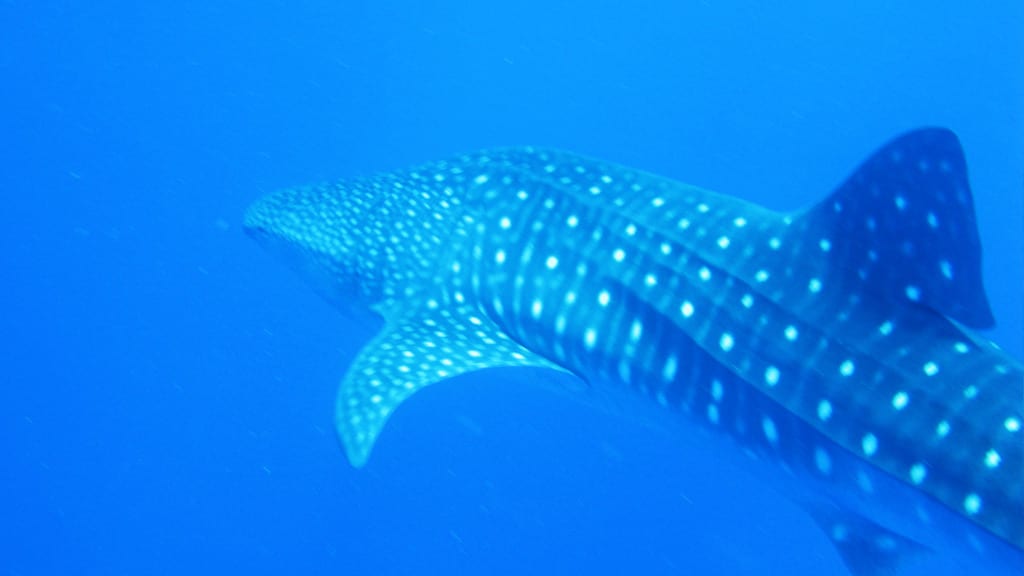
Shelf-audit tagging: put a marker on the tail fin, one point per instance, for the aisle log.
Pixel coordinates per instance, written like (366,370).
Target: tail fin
(903,226)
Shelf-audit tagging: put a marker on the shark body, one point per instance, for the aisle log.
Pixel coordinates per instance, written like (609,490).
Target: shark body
(832,343)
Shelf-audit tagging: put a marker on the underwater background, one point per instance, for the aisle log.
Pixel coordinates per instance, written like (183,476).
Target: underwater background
(167,388)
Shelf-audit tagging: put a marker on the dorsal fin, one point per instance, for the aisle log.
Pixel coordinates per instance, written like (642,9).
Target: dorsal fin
(903,226)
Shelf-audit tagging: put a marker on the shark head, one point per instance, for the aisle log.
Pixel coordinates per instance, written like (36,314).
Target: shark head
(365,245)
(296,225)
(333,240)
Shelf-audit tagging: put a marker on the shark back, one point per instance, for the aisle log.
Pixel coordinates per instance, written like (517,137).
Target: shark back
(847,315)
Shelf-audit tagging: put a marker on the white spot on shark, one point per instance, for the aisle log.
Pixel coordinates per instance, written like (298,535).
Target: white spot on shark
(824,410)
(712,412)
(847,368)
(972,504)
(536,308)
(900,400)
(726,342)
(869,444)
(918,472)
(770,432)
(636,331)
(946,268)
(913,293)
(822,461)
(717,390)
(992,458)
(668,371)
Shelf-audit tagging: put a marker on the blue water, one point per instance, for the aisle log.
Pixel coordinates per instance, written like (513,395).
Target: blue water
(167,388)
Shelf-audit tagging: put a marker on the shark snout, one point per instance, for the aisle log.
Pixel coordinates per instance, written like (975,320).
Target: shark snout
(292,222)
(276,216)
(258,217)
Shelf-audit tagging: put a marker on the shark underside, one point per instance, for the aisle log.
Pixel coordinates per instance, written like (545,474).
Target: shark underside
(835,342)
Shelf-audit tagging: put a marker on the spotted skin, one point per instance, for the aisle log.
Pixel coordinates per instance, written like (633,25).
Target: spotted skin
(831,342)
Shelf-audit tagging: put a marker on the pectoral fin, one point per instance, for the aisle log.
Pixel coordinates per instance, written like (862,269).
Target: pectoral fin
(866,548)
(423,346)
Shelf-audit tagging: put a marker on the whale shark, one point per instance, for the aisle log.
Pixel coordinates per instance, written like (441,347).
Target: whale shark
(835,346)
